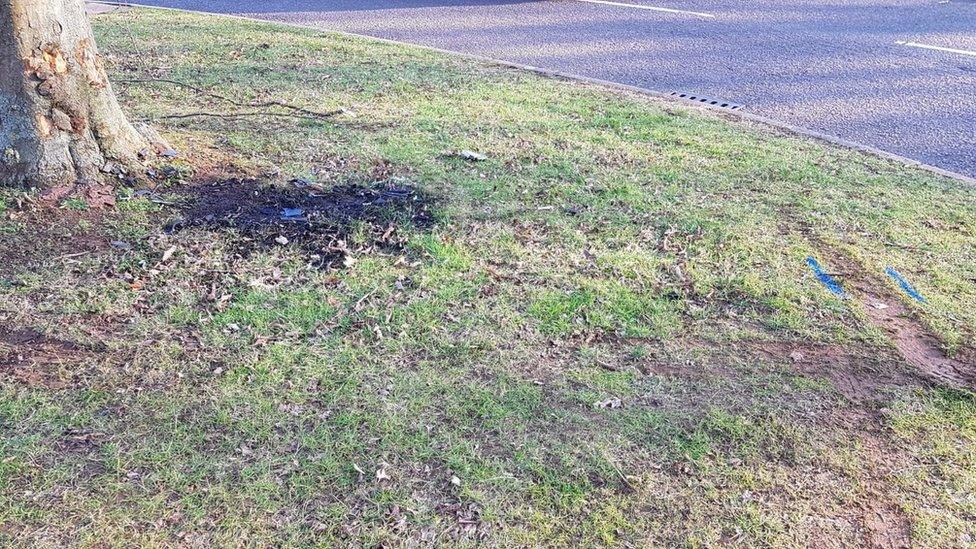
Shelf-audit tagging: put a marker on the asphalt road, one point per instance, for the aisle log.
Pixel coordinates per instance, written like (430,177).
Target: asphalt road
(863,70)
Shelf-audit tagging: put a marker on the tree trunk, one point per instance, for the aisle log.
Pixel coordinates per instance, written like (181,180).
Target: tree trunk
(59,119)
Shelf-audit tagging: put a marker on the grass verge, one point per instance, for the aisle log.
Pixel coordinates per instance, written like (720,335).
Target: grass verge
(607,333)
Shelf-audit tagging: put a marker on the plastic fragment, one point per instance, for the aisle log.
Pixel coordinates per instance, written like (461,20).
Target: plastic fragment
(905,285)
(825,278)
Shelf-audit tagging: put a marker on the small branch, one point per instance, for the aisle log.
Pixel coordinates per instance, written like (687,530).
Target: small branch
(76,254)
(206,114)
(902,246)
(252,105)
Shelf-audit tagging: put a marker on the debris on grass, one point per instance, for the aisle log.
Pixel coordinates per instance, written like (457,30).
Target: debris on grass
(610,403)
(168,254)
(826,278)
(252,397)
(322,222)
(466,154)
(904,285)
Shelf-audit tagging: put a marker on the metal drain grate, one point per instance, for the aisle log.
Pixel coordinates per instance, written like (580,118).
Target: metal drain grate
(707,101)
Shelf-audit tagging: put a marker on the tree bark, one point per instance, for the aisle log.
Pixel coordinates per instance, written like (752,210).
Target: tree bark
(59,119)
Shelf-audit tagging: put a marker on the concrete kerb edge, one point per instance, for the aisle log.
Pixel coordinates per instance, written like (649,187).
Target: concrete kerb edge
(549,73)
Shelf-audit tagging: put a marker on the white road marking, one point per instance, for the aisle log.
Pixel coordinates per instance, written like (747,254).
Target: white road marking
(938,48)
(651,8)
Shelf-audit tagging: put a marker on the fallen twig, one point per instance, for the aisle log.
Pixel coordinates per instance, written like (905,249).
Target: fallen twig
(902,246)
(207,114)
(76,254)
(250,105)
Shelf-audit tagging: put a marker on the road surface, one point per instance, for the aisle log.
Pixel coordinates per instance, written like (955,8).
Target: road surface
(899,75)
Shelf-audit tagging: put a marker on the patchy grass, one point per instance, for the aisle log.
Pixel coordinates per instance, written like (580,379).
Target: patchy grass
(942,426)
(606,335)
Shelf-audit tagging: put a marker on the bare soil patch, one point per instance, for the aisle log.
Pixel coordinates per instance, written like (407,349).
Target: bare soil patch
(860,375)
(885,526)
(911,338)
(914,343)
(30,345)
(32,357)
(55,233)
(883,523)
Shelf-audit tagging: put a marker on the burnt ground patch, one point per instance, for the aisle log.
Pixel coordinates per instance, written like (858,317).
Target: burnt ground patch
(326,222)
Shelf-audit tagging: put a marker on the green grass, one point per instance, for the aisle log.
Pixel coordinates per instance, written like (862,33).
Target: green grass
(585,349)
(942,429)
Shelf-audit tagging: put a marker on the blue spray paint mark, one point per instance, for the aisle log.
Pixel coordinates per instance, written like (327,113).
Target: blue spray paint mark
(911,291)
(827,280)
